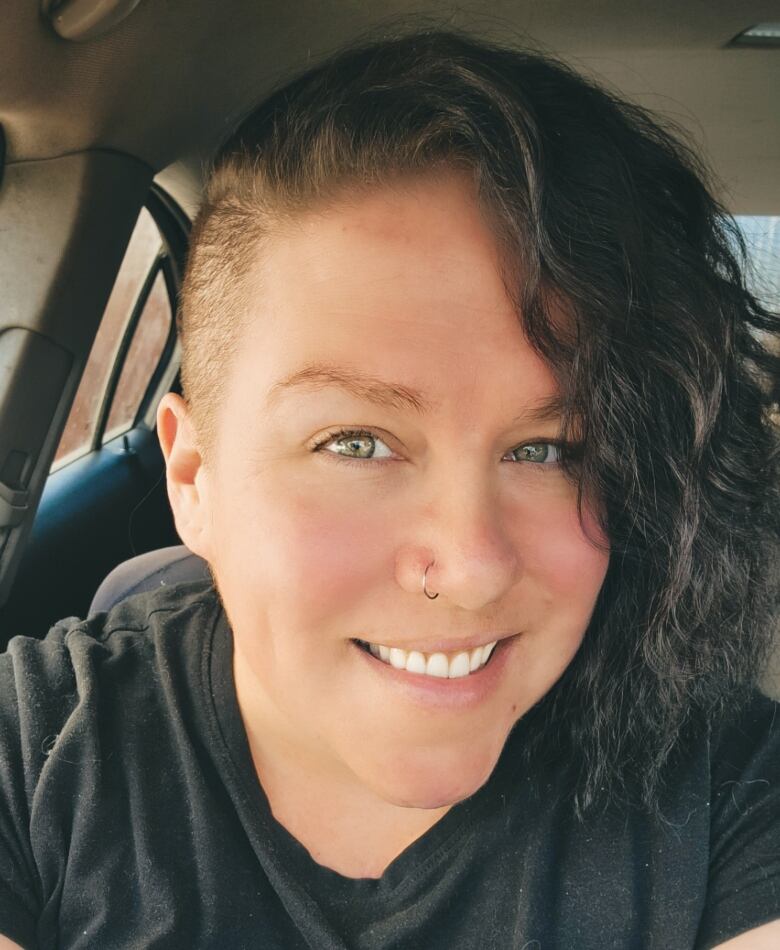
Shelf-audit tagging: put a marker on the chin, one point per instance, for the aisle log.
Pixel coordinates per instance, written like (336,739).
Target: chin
(431,803)
(435,786)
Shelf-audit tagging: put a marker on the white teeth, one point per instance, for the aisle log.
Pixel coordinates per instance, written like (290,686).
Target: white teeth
(459,666)
(398,658)
(437,664)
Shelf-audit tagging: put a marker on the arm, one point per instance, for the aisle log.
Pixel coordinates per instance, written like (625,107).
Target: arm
(29,712)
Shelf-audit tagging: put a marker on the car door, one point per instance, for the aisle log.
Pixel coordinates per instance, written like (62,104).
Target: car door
(105,499)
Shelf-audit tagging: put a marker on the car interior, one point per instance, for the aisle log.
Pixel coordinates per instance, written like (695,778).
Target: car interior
(109,113)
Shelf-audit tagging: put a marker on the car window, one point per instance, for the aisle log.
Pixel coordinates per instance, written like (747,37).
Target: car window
(139,305)
(146,348)
(762,237)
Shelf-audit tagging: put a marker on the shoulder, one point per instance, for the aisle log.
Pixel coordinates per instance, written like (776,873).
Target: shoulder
(45,683)
(77,708)
(145,613)
(136,620)
(745,747)
(744,843)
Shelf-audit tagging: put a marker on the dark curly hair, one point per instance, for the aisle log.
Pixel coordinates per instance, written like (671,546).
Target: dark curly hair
(668,364)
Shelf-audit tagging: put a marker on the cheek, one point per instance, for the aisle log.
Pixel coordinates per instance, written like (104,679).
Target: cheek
(326,550)
(323,551)
(560,554)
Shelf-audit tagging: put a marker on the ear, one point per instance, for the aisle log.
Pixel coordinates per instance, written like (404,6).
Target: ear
(185,474)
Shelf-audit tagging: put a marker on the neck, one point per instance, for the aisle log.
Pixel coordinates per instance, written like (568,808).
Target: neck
(343,824)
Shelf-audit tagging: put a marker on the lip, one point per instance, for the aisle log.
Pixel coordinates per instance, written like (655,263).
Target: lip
(463,692)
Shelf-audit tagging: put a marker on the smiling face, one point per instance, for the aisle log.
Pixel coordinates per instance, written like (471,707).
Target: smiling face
(318,541)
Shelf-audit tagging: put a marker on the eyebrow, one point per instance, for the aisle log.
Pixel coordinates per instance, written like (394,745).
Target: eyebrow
(317,376)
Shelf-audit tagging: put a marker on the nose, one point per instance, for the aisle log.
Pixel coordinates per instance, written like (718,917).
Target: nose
(462,535)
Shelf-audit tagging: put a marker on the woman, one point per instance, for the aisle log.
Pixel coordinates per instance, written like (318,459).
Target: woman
(475,440)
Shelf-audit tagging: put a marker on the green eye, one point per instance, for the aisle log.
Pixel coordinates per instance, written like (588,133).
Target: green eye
(363,445)
(537,452)
(355,444)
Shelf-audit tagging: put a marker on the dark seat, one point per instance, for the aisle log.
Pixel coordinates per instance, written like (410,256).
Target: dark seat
(159,568)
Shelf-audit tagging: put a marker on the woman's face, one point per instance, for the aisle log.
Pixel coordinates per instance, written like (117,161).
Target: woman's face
(313,550)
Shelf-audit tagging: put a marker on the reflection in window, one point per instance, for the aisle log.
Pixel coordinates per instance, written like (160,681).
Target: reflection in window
(142,359)
(142,250)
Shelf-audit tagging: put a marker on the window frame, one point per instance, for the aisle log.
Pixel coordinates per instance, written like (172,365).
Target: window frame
(173,227)
(120,355)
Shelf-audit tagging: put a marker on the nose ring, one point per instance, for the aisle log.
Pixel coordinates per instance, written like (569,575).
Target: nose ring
(429,596)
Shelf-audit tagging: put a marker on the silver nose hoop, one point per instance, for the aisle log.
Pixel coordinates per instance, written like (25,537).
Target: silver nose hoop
(429,596)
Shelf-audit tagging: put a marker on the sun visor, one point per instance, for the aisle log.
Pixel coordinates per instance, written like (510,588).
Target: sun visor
(82,20)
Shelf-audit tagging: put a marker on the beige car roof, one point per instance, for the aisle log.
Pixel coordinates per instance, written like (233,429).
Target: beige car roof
(167,83)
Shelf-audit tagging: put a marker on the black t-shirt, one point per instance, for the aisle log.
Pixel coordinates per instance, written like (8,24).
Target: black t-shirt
(131,816)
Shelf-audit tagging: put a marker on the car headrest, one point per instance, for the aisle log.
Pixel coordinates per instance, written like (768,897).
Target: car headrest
(159,568)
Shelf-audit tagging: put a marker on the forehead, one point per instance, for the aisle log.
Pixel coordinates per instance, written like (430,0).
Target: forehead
(403,283)
(413,253)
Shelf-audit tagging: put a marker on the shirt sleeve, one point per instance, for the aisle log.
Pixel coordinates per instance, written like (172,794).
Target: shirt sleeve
(743,890)
(36,680)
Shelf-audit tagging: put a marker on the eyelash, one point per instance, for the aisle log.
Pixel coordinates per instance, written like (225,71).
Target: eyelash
(567,449)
